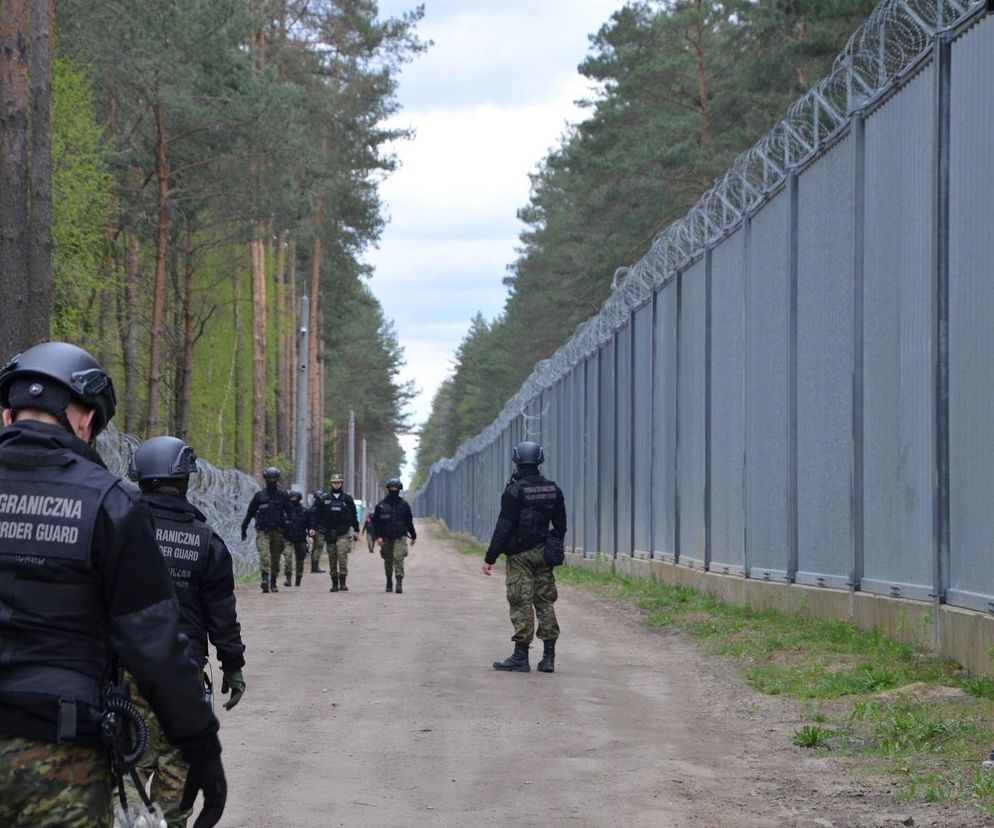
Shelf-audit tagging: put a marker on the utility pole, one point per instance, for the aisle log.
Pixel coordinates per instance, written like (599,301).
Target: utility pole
(300,467)
(365,480)
(350,472)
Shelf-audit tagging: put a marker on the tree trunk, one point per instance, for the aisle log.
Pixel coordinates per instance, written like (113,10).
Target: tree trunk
(258,273)
(314,372)
(238,433)
(184,378)
(159,290)
(284,328)
(702,78)
(290,354)
(322,477)
(14,330)
(40,173)
(129,327)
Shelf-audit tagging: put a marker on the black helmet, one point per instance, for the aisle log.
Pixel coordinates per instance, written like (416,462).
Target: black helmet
(72,369)
(272,473)
(295,495)
(315,497)
(162,457)
(394,483)
(528,454)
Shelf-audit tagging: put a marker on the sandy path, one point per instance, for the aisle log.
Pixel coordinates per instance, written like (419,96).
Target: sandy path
(372,709)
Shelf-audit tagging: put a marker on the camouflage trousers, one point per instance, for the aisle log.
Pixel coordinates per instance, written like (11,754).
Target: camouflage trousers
(320,541)
(531,593)
(164,764)
(393,552)
(338,555)
(370,543)
(49,785)
(269,544)
(298,550)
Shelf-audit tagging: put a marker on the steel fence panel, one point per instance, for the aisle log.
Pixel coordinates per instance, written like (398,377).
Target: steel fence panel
(642,425)
(623,442)
(767,391)
(727,453)
(898,434)
(591,469)
(691,422)
(607,462)
(837,420)
(971,309)
(576,505)
(664,405)
(824,369)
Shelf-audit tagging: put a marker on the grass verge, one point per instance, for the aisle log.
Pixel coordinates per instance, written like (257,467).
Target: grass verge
(893,708)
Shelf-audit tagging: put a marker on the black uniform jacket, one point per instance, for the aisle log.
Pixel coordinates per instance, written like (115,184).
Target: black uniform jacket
(269,508)
(200,564)
(392,518)
(83,577)
(527,507)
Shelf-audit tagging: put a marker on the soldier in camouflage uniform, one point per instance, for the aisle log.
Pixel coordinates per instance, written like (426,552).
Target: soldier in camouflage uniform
(343,521)
(393,523)
(295,536)
(90,557)
(529,505)
(201,568)
(269,507)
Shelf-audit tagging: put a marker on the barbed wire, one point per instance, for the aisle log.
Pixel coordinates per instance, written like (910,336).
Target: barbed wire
(221,494)
(877,58)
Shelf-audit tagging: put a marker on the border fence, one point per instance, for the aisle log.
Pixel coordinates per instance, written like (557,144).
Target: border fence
(796,382)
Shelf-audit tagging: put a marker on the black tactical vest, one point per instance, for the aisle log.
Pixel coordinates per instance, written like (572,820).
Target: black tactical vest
(339,513)
(184,543)
(295,530)
(53,635)
(538,506)
(270,512)
(393,522)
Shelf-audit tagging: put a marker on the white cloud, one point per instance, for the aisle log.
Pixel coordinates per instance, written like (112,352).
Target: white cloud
(488,101)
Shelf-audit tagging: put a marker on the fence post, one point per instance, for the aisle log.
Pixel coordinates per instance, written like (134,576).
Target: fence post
(858,134)
(708,534)
(940,206)
(792,552)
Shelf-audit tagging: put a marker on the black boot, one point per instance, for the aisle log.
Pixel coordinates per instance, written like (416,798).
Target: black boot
(389,584)
(272,583)
(334,584)
(265,583)
(315,567)
(341,583)
(517,662)
(400,584)
(299,576)
(548,662)
(286,579)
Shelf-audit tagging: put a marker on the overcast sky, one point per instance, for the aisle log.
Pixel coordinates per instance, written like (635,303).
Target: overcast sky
(487,101)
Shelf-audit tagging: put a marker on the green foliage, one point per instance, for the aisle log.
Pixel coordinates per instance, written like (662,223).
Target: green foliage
(812,736)
(268,123)
(82,202)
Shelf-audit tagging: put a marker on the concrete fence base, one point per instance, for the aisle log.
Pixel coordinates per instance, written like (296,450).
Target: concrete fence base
(964,636)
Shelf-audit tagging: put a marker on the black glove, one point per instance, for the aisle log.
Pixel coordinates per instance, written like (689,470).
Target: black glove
(206,775)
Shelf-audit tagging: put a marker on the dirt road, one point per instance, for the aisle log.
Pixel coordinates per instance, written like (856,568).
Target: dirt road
(372,709)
